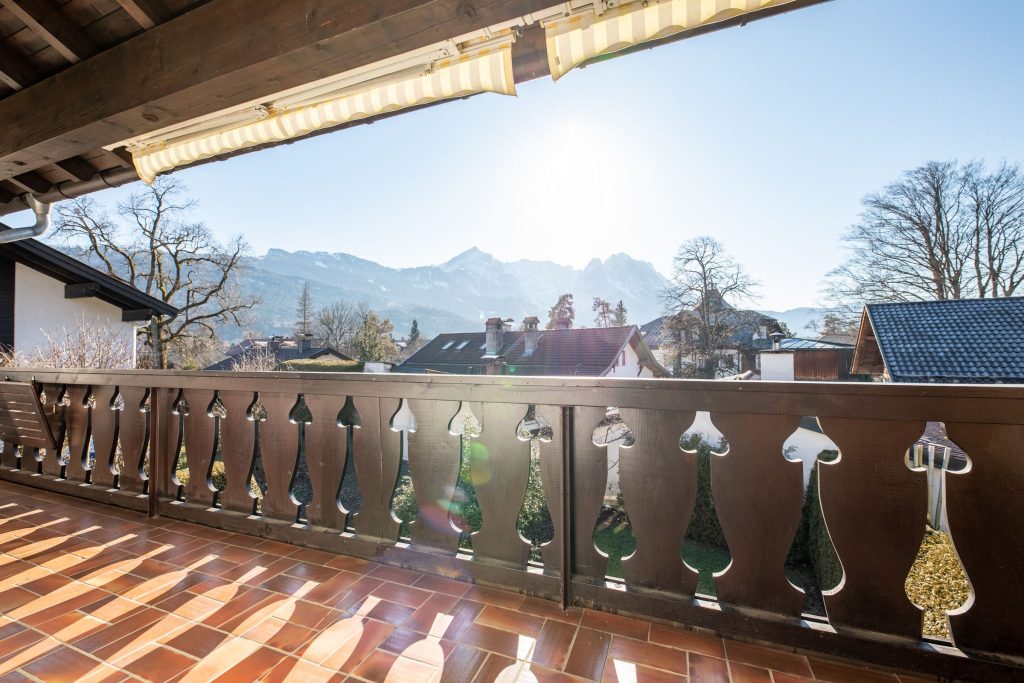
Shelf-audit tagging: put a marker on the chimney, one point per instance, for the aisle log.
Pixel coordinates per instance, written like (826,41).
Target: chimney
(305,343)
(563,323)
(274,344)
(530,326)
(495,328)
(776,341)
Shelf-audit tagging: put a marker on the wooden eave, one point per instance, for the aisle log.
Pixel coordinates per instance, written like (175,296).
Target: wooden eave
(77,77)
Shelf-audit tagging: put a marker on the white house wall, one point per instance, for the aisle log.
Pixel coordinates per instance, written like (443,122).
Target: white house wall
(631,368)
(40,309)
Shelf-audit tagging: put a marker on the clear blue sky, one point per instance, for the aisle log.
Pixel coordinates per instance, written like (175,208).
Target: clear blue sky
(765,136)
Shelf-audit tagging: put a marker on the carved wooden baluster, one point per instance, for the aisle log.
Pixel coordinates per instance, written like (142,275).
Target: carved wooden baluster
(874,508)
(54,408)
(104,436)
(134,435)
(758,496)
(325,457)
(238,450)
(377,451)
(434,459)
(551,481)
(173,437)
(77,414)
(590,478)
(200,445)
(659,487)
(279,452)
(986,521)
(501,471)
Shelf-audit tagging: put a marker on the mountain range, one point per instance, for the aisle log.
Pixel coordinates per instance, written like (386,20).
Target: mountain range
(456,295)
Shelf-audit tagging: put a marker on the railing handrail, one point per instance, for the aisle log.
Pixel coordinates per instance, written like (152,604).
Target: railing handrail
(980,403)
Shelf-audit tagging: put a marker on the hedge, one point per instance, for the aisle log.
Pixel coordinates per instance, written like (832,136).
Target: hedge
(321,365)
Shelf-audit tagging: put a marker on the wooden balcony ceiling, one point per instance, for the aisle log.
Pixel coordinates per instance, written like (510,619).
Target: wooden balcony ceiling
(78,77)
(90,592)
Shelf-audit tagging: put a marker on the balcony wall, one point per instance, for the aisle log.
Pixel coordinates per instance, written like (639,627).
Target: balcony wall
(274,425)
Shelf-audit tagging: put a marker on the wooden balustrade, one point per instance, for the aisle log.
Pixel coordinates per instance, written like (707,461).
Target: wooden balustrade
(263,427)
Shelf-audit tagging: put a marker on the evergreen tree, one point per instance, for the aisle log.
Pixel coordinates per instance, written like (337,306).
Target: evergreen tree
(603,309)
(619,315)
(562,309)
(304,312)
(372,341)
(414,334)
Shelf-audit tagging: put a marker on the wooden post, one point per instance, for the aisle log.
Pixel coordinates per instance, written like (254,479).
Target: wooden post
(156,458)
(568,528)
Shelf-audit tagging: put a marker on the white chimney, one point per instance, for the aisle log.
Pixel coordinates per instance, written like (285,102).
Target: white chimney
(495,328)
(530,341)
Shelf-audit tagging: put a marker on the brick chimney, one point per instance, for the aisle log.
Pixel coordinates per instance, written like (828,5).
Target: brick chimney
(530,338)
(305,343)
(563,323)
(495,328)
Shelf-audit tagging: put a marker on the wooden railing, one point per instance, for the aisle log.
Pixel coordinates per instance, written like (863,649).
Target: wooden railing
(874,504)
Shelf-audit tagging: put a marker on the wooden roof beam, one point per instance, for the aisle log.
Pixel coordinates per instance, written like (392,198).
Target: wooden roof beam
(45,20)
(146,13)
(78,168)
(15,71)
(31,181)
(220,54)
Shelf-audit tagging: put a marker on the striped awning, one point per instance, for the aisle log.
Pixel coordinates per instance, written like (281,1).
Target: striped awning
(575,39)
(484,70)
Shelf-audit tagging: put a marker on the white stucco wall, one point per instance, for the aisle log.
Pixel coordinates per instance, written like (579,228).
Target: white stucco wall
(40,308)
(631,368)
(777,367)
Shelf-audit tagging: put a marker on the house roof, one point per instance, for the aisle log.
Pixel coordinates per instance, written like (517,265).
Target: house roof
(586,351)
(976,341)
(287,351)
(135,304)
(795,344)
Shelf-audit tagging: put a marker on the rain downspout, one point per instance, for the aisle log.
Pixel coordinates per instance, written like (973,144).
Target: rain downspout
(42,224)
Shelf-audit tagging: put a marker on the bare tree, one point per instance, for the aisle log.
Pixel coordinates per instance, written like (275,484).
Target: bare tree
(704,279)
(153,245)
(942,231)
(257,359)
(335,325)
(86,345)
(996,206)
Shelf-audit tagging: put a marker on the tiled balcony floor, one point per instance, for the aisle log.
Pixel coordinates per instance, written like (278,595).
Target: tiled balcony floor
(90,593)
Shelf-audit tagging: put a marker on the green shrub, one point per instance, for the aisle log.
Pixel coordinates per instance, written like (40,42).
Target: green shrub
(704,526)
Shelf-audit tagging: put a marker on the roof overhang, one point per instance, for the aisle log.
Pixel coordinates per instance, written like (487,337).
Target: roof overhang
(63,135)
(81,280)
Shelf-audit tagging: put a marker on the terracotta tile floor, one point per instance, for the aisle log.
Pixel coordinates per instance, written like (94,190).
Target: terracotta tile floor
(93,593)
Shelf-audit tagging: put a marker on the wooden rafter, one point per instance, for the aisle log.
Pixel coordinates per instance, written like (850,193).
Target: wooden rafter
(146,13)
(31,181)
(15,71)
(78,168)
(44,19)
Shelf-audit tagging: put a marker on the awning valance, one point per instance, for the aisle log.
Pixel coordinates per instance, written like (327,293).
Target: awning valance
(575,39)
(487,69)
